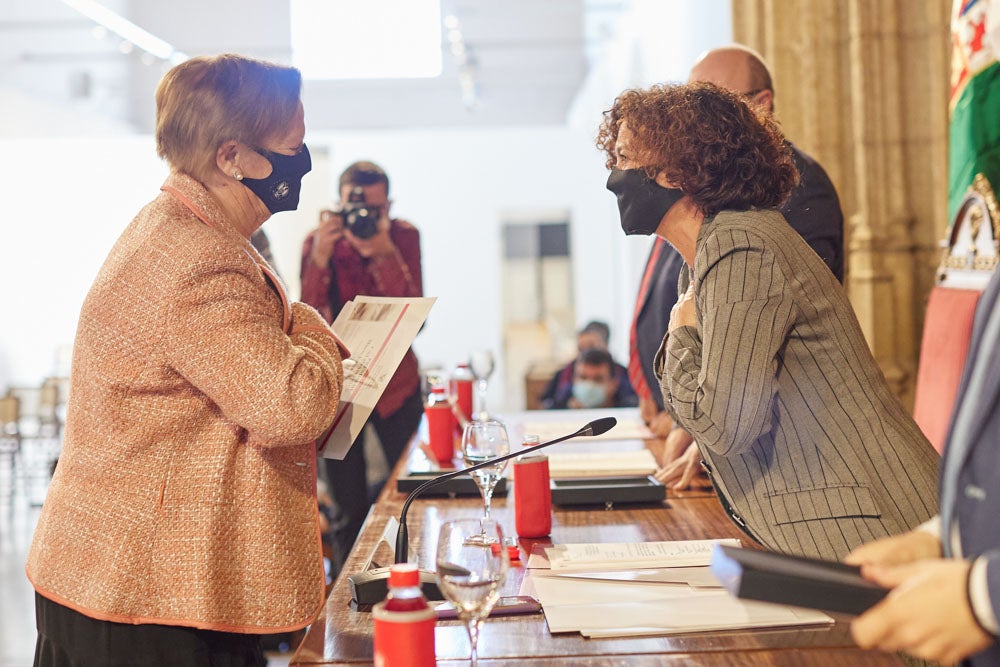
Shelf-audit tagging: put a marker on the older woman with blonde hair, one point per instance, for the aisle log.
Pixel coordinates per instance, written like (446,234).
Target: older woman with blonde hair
(182,522)
(764,362)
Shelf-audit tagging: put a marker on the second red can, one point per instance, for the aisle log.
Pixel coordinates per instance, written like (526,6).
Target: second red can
(532,496)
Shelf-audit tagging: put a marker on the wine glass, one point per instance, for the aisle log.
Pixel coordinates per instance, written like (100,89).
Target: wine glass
(470,573)
(482,441)
(481,364)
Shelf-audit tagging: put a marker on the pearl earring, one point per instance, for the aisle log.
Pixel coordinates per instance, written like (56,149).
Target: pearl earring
(237,175)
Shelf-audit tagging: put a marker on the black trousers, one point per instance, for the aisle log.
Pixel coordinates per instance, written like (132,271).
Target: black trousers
(67,638)
(348,478)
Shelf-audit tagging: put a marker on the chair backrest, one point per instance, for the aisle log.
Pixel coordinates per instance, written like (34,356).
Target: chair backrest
(970,252)
(10,414)
(968,260)
(947,329)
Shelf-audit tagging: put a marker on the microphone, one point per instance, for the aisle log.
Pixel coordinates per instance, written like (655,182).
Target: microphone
(372,586)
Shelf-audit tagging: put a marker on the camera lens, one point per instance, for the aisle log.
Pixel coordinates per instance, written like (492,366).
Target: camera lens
(361,221)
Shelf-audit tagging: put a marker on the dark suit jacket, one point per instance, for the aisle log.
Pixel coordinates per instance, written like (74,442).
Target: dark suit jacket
(651,322)
(974,465)
(777,384)
(813,210)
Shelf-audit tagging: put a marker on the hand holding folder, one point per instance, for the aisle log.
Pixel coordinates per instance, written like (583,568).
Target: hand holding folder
(794,580)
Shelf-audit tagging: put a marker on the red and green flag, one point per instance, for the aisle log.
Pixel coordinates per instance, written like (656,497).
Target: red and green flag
(974,137)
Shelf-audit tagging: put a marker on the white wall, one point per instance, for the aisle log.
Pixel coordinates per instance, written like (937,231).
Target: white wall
(456,185)
(73,197)
(68,199)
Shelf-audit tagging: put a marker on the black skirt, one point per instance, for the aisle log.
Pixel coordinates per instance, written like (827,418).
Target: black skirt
(67,638)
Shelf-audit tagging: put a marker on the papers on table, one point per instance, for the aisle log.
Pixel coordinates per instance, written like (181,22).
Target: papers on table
(672,591)
(696,577)
(633,555)
(377,330)
(625,429)
(636,463)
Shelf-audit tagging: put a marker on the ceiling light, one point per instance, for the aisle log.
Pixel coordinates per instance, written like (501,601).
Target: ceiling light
(128,31)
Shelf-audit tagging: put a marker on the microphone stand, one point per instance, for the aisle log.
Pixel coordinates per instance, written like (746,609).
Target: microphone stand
(371,586)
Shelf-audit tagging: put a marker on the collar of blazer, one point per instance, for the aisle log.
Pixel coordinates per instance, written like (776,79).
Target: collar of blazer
(196,198)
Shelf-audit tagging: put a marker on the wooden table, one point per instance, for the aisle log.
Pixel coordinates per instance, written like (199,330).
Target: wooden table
(342,636)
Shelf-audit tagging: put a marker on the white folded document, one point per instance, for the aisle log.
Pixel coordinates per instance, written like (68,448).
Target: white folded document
(612,609)
(610,556)
(639,462)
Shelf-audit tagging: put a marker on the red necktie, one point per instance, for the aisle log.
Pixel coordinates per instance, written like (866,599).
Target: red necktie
(635,372)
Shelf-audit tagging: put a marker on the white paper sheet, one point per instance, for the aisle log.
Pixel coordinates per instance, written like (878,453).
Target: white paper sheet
(564,465)
(632,555)
(696,577)
(378,331)
(608,609)
(625,429)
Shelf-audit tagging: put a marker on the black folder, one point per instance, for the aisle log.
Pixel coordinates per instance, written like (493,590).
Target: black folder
(802,582)
(463,485)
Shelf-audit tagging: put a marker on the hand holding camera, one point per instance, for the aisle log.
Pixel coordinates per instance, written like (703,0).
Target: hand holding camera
(330,230)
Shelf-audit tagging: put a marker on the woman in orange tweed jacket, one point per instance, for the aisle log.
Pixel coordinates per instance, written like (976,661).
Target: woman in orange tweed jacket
(182,522)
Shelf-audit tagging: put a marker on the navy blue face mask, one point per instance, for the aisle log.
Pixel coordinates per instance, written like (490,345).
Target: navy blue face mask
(280,190)
(642,202)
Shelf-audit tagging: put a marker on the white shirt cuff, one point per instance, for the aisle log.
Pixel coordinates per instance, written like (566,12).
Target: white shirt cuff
(932,526)
(979,596)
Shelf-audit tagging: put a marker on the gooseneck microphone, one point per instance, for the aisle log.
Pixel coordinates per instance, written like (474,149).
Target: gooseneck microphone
(371,586)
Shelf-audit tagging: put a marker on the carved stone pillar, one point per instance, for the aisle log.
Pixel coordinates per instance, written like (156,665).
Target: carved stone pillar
(862,85)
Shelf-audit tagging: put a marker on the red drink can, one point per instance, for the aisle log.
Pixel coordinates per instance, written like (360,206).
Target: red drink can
(532,496)
(441,425)
(461,389)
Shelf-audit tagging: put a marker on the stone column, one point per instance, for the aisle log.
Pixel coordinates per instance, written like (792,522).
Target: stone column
(862,85)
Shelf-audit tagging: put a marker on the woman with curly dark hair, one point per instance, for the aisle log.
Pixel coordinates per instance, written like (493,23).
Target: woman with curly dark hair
(764,361)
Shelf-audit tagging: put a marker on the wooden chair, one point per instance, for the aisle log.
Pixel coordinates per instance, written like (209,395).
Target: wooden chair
(10,441)
(40,422)
(536,379)
(969,257)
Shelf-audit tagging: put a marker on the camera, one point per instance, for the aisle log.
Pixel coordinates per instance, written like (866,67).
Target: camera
(358,217)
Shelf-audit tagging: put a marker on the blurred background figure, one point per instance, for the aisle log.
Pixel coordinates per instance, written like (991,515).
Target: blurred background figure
(594,379)
(358,249)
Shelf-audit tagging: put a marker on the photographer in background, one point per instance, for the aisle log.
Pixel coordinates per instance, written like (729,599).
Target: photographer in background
(358,250)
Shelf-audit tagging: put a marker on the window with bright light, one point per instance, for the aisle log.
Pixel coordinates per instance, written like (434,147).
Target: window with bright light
(366,39)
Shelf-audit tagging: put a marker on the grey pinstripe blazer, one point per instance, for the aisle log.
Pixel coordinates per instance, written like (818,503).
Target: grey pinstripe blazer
(804,439)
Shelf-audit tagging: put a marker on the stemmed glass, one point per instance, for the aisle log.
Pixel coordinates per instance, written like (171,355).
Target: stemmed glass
(481,364)
(470,574)
(481,441)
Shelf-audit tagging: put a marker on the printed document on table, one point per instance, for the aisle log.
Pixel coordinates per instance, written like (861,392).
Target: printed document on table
(632,555)
(695,577)
(575,465)
(377,330)
(612,609)
(548,429)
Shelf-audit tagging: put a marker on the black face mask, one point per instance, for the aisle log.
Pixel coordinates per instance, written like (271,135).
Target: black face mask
(642,202)
(280,190)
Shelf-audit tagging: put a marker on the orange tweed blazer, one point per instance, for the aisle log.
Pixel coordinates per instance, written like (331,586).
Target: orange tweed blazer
(186,490)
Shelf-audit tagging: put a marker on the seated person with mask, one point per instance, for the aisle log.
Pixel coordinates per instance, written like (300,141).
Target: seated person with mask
(594,335)
(596,383)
